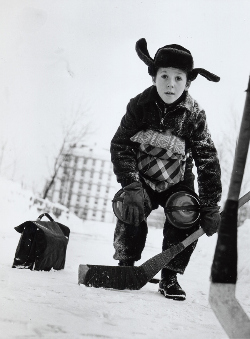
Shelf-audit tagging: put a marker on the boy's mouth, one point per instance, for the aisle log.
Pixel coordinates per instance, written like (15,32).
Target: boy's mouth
(169,93)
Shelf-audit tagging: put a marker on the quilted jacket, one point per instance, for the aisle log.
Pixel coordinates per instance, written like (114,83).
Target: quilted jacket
(187,120)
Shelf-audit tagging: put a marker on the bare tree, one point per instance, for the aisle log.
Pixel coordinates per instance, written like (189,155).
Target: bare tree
(73,132)
(7,164)
(226,151)
(2,151)
(226,146)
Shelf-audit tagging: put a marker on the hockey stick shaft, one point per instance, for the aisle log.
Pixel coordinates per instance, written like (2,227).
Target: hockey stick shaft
(224,268)
(222,298)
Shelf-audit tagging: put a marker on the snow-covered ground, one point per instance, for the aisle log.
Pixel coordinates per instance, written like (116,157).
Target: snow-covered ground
(53,305)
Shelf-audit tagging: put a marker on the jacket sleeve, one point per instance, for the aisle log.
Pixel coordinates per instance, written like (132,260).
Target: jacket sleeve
(207,162)
(123,153)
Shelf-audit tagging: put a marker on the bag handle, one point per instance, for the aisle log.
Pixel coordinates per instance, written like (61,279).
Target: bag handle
(45,215)
(55,224)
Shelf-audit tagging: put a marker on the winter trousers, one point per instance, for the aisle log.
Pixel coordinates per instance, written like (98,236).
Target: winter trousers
(129,241)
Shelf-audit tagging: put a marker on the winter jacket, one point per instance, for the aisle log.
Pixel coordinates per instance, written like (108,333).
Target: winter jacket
(186,120)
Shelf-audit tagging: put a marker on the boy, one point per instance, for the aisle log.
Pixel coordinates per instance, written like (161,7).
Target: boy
(162,132)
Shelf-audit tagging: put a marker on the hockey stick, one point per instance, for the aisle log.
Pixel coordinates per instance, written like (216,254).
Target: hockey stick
(135,277)
(222,298)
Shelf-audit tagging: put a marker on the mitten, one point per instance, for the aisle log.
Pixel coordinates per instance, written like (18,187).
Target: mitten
(133,204)
(210,219)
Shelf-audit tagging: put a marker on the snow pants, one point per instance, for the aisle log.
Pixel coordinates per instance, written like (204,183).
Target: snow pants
(129,241)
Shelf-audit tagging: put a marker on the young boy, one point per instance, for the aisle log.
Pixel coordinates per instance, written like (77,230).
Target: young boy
(162,132)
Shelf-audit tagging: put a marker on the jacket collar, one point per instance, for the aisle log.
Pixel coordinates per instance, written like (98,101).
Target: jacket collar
(150,95)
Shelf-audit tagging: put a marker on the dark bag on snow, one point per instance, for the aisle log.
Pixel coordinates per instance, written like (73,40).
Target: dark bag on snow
(42,245)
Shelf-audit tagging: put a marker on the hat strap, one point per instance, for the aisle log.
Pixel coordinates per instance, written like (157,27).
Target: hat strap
(142,51)
(208,75)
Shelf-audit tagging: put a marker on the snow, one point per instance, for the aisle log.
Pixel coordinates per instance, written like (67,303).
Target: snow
(53,305)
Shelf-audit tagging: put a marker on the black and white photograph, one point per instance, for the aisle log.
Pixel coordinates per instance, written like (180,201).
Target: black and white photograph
(124,169)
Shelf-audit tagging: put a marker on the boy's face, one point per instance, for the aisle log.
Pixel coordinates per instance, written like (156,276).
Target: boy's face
(170,83)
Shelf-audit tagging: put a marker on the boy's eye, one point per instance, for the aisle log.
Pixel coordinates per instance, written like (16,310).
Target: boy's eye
(164,76)
(178,78)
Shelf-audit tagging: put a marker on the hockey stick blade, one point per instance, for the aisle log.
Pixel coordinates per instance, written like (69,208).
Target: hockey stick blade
(126,277)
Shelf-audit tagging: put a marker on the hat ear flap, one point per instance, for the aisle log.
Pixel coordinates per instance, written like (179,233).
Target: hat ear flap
(142,51)
(209,76)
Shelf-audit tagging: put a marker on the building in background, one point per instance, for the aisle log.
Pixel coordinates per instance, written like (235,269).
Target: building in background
(86,185)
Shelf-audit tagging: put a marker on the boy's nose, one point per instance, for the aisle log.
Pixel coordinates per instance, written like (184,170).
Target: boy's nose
(170,83)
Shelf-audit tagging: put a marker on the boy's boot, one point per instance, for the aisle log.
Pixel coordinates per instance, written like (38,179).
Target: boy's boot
(170,287)
(128,262)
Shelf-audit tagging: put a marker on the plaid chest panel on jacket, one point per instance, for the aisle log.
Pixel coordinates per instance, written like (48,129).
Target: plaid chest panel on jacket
(161,158)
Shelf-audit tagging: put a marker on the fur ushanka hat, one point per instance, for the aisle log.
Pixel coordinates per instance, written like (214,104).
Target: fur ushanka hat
(172,56)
